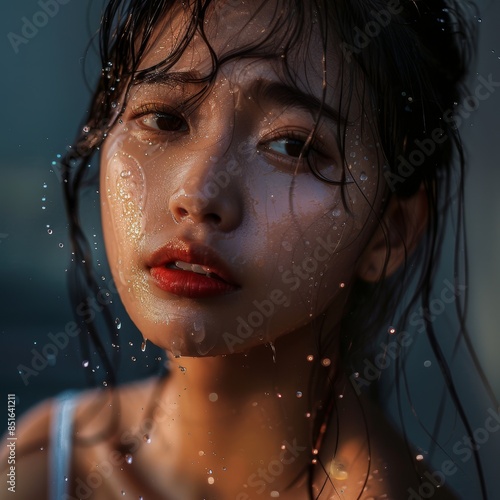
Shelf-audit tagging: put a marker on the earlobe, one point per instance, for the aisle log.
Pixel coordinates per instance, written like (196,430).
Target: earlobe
(396,237)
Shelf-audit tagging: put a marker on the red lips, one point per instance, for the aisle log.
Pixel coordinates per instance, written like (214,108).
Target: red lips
(199,272)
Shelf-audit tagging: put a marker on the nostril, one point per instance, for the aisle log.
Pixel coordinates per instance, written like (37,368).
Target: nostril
(214,218)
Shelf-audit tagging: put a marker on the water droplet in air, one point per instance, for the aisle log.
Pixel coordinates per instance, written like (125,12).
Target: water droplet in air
(49,231)
(213,397)
(61,245)
(133,358)
(118,323)
(310,357)
(44,185)
(143,345)
(211,480)
(129,458)
(85,364)
(427,363)
(419,457)
(298,394)
(275,494)
(392,330)
(326,362)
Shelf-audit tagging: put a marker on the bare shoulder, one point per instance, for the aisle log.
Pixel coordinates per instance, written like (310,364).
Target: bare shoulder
(27,459)
(94,413)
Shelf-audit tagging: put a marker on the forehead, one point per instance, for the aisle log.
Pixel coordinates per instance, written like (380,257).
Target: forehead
(288,39)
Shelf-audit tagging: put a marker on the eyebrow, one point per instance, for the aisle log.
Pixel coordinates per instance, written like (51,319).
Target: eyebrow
(172,78)
(288,95)
(278,92)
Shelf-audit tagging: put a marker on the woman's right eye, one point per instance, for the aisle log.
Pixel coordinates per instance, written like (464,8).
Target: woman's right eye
(159,119)
(164,122)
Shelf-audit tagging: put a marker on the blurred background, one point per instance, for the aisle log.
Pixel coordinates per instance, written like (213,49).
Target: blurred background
(45,95)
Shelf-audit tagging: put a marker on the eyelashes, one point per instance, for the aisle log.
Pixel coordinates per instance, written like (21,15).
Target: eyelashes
(159,118)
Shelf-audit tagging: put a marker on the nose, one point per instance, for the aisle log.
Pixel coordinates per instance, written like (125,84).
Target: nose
(209,196)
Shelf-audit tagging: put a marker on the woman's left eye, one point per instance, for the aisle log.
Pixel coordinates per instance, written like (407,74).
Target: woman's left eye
(287,146)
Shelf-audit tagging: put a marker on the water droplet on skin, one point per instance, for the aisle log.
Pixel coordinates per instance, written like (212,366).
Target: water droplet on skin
(273,349)
(183,369)
(275,494)
(125,173)
(85,364)
(118,323)
(211,480)
(143,345)
(337,471)
(146,438)
(129,458)
(336,212)
(287,246)
(427,363)
(363,177)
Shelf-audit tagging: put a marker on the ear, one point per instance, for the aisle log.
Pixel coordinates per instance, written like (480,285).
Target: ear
(395,238)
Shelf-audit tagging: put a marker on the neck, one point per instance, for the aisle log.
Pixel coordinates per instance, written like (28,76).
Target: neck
(247,413)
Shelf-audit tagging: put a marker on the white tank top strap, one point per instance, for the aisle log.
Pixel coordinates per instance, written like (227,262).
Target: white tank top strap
(61,441)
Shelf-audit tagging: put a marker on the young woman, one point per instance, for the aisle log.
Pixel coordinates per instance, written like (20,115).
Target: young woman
(274,178)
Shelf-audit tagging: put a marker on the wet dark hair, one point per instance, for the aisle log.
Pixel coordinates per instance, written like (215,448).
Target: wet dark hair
(411,70)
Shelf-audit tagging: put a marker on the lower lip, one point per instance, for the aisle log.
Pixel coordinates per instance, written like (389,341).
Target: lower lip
(189,284)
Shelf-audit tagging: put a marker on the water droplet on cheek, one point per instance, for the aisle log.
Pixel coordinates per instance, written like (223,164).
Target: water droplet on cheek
(336,212)
(128,458)
(363,177)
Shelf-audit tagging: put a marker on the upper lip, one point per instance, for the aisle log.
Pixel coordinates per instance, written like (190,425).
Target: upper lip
(192,253)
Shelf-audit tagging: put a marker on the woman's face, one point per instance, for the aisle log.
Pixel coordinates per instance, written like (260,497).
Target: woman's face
(218,235)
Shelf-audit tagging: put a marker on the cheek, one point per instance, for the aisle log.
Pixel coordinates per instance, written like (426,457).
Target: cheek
(123,197)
